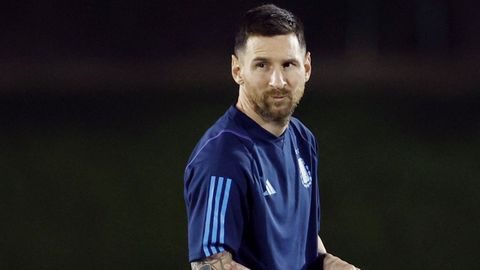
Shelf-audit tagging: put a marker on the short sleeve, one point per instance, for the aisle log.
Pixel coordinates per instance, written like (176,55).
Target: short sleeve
(215,198)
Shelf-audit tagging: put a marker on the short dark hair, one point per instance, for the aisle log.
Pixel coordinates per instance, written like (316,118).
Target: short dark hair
(268,20)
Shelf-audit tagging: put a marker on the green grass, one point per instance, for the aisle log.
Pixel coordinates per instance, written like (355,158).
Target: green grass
(97,183)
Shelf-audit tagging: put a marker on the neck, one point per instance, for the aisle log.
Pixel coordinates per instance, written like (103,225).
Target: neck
(274,127)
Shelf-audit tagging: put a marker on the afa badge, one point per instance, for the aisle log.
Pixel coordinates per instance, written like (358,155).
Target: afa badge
(305,175)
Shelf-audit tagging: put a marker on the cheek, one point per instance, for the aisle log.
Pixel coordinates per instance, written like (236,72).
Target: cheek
(297,77)
(256,79)
(295,81)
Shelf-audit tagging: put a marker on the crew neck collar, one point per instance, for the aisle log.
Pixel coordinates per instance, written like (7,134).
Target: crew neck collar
(253,128)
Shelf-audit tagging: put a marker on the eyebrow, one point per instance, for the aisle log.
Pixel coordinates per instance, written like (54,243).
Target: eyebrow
(293,60)
(264,59)
(260,59)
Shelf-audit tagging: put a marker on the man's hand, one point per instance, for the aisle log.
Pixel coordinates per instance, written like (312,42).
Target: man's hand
(320,246)
(219,261)
(331,262)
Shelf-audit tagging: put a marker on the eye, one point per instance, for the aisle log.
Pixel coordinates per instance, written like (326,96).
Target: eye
(288,64)
(260,65)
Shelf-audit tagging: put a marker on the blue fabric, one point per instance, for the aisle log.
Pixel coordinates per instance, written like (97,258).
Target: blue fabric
(254,194)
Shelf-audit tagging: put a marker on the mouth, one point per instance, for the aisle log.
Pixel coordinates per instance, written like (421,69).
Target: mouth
(280,98)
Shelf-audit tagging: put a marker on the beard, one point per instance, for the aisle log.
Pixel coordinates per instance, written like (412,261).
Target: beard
(277,110)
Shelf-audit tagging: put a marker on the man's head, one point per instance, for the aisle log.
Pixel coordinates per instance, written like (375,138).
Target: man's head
(268,20)
(270,63)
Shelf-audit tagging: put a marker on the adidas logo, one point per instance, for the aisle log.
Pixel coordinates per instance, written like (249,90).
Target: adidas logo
(269,189)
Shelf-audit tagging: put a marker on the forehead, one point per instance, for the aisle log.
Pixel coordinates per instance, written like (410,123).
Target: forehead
(275,47)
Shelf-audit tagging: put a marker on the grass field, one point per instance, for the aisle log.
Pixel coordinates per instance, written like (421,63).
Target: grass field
(95,181)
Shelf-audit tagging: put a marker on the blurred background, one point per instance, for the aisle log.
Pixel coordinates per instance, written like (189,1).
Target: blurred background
(101,103)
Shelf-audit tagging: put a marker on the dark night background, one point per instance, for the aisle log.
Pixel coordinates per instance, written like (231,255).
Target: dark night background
(101,103)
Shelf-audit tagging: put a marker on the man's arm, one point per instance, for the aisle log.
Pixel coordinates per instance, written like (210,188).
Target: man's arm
(331,262)
(320,247)
(219,261)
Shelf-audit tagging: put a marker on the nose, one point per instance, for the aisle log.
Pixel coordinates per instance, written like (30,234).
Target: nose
(277,80)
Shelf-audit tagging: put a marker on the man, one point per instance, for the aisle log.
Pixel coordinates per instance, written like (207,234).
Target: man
(251,182)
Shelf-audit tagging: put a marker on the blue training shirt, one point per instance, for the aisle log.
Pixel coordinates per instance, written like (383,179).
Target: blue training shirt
(253,194)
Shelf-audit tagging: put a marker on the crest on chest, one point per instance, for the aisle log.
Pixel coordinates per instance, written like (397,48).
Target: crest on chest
(305,175)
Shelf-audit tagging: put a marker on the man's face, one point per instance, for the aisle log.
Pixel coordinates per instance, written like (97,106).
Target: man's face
(273,72)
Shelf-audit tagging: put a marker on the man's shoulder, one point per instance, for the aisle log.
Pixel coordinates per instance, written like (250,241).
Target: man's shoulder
(301,130)
(223,141)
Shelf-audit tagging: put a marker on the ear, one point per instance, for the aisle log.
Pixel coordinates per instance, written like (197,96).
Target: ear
(236,70)
(308,66)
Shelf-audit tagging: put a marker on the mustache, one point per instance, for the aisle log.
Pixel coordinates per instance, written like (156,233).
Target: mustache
(279,92)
